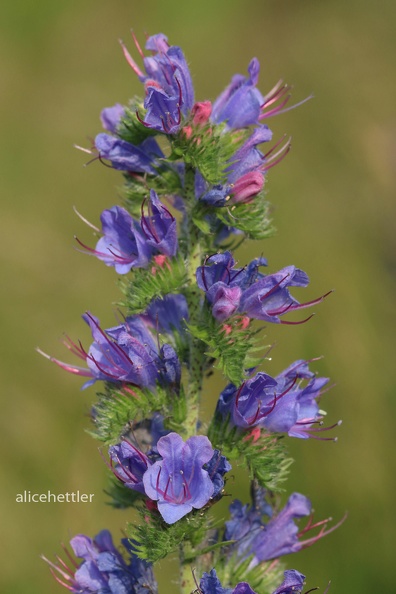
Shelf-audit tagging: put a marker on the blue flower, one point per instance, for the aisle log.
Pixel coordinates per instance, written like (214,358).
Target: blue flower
(292,584)
(111,117)
(178,481)
(168,314)
(103,569)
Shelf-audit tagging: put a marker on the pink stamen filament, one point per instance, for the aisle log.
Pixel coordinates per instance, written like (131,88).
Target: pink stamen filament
(130,60)
(289,323)
(85,220)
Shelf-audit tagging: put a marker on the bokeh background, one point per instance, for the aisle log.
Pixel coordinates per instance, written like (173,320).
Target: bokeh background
(334,206)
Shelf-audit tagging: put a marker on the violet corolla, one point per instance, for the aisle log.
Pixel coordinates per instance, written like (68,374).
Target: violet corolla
(178,481)
(232,290)
(287,403)
(279,536)
(126,353)
(103,570)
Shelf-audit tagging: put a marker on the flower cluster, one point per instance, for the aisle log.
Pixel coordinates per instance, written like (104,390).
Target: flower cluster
(194,176)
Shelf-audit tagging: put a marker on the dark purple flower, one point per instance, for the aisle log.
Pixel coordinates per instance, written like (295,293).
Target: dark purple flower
(103,569)
(178,482)
(125,156)
(251,403)
(123,245)
(159,226)
(292,584)
(126,353)
(168,84)
(129,464)
(217,467)
(111,117)
(210,584)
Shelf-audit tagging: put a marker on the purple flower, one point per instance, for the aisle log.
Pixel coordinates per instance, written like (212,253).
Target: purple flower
(249,404)
(168,84)
(285,404)
(129,464)
(292,584)
(123,244)
(103,569)
(210,584)
(111,117)
(168,314)
(178,482)
(159,226)
(263,297)
(125,156)
(279,536)
(126,353)
(245,174)
(217,467)
(239,105)
(297,412)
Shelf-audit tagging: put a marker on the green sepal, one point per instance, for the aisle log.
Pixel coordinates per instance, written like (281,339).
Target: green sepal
(117,408)
(146,285)
(208,149)
(121,497)
(263,454)
(137,188)
(232,353)
(129,128)
(154,539)
(264,578)
(252,218)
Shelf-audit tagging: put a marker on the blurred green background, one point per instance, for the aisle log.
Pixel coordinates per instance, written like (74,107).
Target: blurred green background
(334,206)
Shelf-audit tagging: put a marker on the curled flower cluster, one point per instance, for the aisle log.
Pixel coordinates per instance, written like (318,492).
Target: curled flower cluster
(194,178)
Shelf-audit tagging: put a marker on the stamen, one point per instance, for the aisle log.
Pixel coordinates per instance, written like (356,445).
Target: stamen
(85,220)
(273,289)
(287,322)
(130,60)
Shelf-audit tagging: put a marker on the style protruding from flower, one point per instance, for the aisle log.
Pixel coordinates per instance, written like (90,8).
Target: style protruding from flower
(103,568)
(167,82)
(263,297)
(279,536)
(126,353)
(287,403)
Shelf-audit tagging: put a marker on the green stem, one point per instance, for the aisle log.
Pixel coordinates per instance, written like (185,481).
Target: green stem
(187,583)
(196,350)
